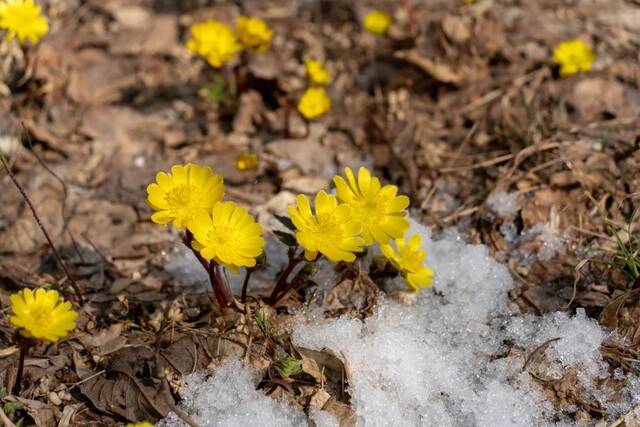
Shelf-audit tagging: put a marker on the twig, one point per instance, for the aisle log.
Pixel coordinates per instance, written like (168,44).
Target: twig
(622,420)
(541,347)
(90,377)
(5,420)
(56,254)
(411,17)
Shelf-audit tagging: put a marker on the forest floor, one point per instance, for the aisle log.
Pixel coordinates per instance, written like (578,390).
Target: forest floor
(459,105)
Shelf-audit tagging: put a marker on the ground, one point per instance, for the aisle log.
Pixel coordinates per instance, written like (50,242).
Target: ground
(459,105)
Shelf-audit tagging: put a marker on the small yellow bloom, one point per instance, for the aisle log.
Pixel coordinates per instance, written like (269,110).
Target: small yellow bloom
(377,22)
(42,314)
(179,195)
(231,237)
(470,1)
(380,210)
(214,41)
(318,74)
(332,231)
(254,33)
(409,260)
(141,424)
(247,161)
(22,19)
(314,103)
(573,56)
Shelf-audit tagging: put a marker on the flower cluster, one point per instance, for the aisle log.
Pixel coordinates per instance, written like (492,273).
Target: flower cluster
(317,73)
(218,43)
(315,101)
(362,212)
(22,19)
(409,260)
(246,161)
(254,33)
(214,41)
(42,314)
(573,56)
(377,22)
(190,197)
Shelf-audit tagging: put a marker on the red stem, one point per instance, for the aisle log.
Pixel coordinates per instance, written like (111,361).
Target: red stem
(221,290)
(282,280)
(220,287)
(245,285)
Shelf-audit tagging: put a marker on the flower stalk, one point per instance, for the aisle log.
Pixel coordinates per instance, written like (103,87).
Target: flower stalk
(24,344)
(224,296)
(282,287)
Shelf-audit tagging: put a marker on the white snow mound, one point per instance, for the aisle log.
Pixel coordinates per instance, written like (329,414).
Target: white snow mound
(444,361)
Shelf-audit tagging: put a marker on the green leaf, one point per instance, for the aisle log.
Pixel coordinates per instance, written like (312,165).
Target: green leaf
(3,392)
(286,221)
(286,238)
(11,407)
(288,367)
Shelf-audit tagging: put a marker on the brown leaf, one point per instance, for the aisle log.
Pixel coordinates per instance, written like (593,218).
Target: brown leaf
(193,352)
(126,391)
(319,399)
(457,28)
(100,79)
(307,155)
(333,370)
(43,415)
(345,415)
(23,236)
(611,314)
(82,370)
(106,341)
(594,97)
(357,296)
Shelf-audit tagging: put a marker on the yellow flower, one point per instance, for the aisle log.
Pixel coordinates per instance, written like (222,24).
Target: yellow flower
(332,231)
(377,22)
(409,260)
(247,161)
(377,207)
(573,56)
(141,424)
(22,19)
(42,314)
(214,41)
(231,237)
(314,103)
(318,74)
(179,195)
(254,33)
(469,1)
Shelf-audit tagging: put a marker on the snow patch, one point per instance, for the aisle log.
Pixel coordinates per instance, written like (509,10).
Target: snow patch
(457,357)
(502,203)
(229,398)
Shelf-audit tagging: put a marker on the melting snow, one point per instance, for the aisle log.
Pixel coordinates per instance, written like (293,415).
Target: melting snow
(444,361)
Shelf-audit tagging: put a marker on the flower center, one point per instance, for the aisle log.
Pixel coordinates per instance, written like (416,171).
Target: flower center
(179,196)
(222,236)
(369,211)
(326,228)
(41,315)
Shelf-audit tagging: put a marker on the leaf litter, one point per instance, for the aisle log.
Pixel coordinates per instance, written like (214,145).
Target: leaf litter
(468,107)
